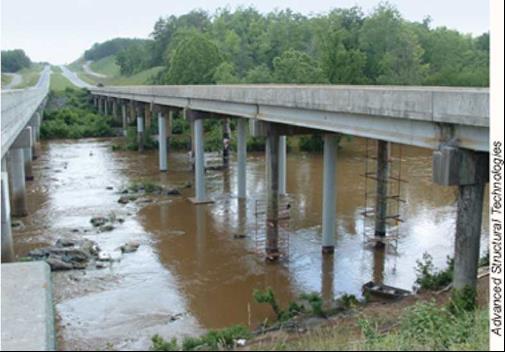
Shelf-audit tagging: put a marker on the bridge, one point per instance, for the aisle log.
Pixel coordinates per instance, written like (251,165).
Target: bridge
(453,122)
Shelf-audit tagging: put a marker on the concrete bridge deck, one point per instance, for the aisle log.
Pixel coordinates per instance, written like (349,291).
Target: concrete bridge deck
(421,116)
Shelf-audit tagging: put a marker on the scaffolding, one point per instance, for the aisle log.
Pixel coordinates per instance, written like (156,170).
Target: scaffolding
(393,197)
(284,228)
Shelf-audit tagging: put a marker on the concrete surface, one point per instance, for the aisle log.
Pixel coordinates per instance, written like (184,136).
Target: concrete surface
(27,307)
(407,115)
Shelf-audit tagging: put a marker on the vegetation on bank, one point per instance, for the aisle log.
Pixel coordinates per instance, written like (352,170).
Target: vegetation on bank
(30,75)
(70,115)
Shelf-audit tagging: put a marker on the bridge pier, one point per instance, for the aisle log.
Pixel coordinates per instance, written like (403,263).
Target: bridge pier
(381,200)
(242,157)
(140,127)
(329,193)
(282,164)
(7,243)
(28,155)
(162,140)
(106,106)
(226,142)
(200,191)
(469,171)
(272,218)
(124,119)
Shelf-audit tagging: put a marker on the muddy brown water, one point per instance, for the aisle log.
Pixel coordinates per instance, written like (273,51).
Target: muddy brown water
(190,273)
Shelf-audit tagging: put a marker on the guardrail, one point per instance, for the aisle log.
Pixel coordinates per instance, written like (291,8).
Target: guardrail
(18,107)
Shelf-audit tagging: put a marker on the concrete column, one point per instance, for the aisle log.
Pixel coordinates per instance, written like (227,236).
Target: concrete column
(140,129)
(467,241)
(329,193)
(282,164)
(106,106)
(381,200)
(200,192)
(124,119)
(100,105)
(27,156)
(226,142)
(16,166)
(115,112)
(242,157)
(470,172)
(148,116)
(162,141)
(272,219)
(7,244)
(35,127)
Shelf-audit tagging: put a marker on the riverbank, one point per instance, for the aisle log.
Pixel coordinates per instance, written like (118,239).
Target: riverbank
(380,326)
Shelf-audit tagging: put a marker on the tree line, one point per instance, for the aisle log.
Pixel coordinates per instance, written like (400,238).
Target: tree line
(14,60)
(344,46)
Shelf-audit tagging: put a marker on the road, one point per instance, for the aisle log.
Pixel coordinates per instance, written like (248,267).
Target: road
(72,77)
(89,71)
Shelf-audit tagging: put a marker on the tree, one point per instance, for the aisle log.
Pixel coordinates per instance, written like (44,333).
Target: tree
(194,60)
(392,48)
(296,67)
(259,74)
(225,73)
(14,60)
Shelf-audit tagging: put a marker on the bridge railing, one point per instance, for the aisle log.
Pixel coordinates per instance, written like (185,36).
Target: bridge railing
(18,107)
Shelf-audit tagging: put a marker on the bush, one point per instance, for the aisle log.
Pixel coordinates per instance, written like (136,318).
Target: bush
(212,341)
(316,303)
(74,123)
(428,278)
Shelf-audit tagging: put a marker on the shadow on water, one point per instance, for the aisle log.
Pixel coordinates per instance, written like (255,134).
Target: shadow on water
(191,264)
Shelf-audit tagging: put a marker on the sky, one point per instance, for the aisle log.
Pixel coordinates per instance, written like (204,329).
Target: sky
(58,31)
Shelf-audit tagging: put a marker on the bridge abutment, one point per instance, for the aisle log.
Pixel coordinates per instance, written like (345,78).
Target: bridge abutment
(469,171)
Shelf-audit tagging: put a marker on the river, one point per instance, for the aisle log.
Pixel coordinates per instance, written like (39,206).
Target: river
(191,272)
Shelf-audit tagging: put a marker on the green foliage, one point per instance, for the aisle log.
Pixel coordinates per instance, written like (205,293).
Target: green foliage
(214,340)
(110,47)
(297,67)
(316,303)
(194,60)
(144,186)
(428,278)
(426,326)
(349,301)
(75,118)
(463,299)
(343,46)
(159,344)
(268,297)
(225,73)
(312,143)
(14,60)
(132,140)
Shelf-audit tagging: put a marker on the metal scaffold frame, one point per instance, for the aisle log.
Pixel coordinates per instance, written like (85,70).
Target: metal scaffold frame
(394,200)
(284,228)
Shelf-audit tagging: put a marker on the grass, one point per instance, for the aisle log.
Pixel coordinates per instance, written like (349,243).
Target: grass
(214,340)
(30,76)
(424,326)
(6,79)
(59,82)
(106,66)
